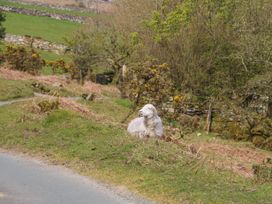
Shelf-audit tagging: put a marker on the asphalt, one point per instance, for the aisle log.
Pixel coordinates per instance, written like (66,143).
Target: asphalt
(28,181)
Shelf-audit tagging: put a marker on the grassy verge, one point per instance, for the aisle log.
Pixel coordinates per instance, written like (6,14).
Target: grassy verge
(47,28)
(46,9)
(155,169)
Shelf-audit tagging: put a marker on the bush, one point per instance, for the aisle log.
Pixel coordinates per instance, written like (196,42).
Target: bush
(149,83)
(62,66)
(47,106)
(2,29)
(22,59)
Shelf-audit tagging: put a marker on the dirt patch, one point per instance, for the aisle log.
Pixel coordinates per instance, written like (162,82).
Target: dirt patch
(237,159)
(14,75)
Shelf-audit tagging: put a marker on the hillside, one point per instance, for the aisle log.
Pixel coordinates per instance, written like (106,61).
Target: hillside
(210,85)
(88,137)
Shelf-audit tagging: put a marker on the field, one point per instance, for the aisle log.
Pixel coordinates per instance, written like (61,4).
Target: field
(99,147)
(47,28)
(46,9)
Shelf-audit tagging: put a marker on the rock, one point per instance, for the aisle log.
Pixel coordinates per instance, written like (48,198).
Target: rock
(56,84)
(104,78)
(88,97)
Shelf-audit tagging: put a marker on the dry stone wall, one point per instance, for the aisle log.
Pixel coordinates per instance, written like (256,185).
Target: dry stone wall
(77,19)
(37,43)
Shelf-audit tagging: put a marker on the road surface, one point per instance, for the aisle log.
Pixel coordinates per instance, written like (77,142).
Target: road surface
(28,181)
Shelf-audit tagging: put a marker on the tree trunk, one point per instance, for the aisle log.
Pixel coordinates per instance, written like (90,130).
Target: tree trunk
(81,81)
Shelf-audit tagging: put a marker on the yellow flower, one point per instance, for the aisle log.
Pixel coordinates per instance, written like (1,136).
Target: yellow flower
(177,99)
(34,55)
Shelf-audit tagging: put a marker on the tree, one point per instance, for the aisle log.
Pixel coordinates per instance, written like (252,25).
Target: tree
(2,29)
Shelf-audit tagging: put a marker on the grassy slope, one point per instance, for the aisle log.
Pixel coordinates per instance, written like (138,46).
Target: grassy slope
(13,89)
(10,89)
(158,170)
(46,9)
(47,28)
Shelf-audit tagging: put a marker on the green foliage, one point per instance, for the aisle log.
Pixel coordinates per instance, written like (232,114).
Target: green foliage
(85,50)
(100,45)
(22,59)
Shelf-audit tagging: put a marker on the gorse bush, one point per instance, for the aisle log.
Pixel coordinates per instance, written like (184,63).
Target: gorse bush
(61,66)
(149,83)
(22,59)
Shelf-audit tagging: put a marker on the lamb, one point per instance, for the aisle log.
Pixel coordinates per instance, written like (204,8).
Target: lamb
(148,124)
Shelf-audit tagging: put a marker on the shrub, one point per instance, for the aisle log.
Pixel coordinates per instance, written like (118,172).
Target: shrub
(149,83)
(47,106)
(22,59)
(2,29)
(64,67)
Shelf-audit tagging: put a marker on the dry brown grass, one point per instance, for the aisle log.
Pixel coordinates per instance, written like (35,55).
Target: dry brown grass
(73,86)
(238,159)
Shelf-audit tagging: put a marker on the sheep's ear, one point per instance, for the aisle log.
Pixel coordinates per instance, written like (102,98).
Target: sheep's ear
(154,110)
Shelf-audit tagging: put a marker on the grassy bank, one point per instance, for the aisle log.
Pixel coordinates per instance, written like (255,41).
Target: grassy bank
(46,9)
(155,169)
(13,89)
(44,27)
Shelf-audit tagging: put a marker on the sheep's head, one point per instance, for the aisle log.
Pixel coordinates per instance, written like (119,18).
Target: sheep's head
(148,111)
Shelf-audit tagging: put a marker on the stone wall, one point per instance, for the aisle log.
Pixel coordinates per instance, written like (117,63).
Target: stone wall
(77,19)
(36,43)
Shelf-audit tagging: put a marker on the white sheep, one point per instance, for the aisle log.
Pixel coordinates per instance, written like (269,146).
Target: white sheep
(149,124)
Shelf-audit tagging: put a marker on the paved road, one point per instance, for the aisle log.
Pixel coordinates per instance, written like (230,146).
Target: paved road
(27,181)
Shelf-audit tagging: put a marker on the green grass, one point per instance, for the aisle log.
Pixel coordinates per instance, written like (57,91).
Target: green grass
(155,169)
(51,56)
(44,27)
(11,89)
(46,9)
(114,109)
